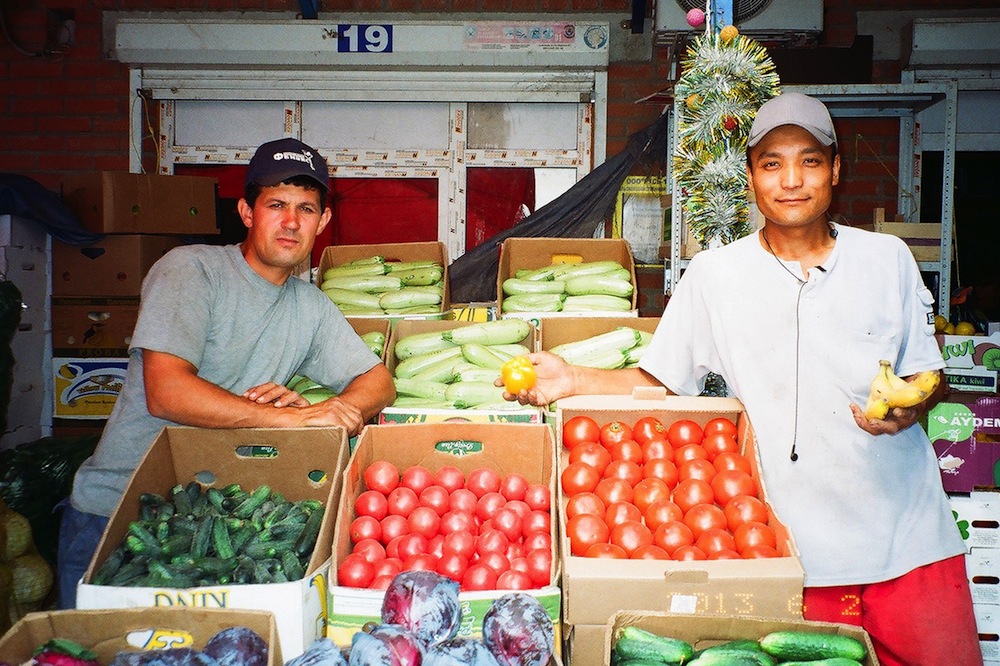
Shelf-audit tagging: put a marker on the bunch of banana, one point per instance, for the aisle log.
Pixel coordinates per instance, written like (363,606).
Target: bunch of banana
(888,390)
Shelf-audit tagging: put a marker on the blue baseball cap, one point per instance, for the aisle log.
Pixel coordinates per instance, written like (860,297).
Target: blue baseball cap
(277,161)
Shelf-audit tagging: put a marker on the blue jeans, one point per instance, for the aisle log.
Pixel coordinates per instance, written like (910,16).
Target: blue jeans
(79,534)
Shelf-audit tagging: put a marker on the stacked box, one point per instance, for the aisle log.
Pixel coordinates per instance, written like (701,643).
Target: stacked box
(300,463)
(532,253)
(516,413)
(770,587)
(972,362)
(978,517)
(965,433)
(522,448)
(108,632)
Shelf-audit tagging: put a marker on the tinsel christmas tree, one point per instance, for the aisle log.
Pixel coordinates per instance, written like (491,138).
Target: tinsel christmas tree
(726,77)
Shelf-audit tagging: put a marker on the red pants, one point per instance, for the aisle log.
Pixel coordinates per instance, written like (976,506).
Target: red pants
(922,618)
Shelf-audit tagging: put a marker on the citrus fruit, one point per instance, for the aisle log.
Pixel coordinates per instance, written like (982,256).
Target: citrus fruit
(964,328)
(940,321)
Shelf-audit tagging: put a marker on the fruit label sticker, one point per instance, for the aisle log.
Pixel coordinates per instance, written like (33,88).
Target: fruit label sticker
(159,639)
(459,447)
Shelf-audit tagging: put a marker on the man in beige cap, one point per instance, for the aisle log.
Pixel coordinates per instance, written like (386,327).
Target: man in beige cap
(796,317)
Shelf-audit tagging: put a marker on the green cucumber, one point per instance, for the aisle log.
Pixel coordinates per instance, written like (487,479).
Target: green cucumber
(635,643)
(832,661)
(734,656)
(806,646)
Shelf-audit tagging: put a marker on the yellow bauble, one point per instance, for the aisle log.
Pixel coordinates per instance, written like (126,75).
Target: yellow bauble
(728,33)
(692,100)
(964,328)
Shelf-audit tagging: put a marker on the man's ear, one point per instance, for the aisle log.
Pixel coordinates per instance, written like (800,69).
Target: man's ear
(836,169)
(246,212)
(324,220)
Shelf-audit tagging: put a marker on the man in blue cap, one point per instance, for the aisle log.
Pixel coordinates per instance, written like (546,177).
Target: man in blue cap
(220,331)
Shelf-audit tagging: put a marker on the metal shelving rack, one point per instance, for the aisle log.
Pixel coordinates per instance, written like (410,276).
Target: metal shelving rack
(902,100)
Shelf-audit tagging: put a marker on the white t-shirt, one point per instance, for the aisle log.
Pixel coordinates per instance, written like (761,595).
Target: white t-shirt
(861,508)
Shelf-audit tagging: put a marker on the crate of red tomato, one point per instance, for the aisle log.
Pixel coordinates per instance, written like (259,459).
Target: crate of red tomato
(472,501)
(668,486)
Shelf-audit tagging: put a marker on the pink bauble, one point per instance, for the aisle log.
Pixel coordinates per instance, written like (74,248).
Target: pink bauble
(696,18)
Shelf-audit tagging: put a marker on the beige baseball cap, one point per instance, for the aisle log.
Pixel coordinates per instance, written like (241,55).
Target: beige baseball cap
(793,108)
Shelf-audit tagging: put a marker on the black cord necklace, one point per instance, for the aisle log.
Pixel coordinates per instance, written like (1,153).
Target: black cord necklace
(763,232)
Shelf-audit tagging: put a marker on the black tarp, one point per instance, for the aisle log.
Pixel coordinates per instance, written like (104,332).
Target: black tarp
(575,214)
(23,197)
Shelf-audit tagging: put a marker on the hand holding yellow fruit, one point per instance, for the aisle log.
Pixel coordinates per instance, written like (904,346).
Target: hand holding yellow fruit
(888,390)
(518,375)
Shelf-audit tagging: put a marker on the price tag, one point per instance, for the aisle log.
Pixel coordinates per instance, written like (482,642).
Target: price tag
(364,38)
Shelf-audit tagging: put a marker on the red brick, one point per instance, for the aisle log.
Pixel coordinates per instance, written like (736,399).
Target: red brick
(68,124)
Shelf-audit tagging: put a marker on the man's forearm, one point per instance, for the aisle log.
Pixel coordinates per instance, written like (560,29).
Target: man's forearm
(597,381)
(371,392)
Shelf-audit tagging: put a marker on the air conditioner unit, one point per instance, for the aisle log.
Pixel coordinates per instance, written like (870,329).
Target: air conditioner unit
(761,19)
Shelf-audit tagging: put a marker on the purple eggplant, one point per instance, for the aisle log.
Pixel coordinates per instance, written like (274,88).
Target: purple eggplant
(459,652)
(518,631)
(425,604)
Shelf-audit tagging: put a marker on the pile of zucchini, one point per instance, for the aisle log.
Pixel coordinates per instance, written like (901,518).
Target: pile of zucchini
(456,368)
(583,287)
(637,647)
(620,348)
(374,286)
(195,538)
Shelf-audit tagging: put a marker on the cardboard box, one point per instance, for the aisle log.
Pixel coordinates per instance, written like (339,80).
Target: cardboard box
(108,632)
(965,433)
(970,351)
(532,253)
(983,568)
(559,331)
(514,414)
(92,323)
(988,624)
(978,517)
(114,266)
(971,380)
(87,388)
(300,463)
(118,202)
(364,325)
(335,255)
(701,631)
(770,587)
(525,449)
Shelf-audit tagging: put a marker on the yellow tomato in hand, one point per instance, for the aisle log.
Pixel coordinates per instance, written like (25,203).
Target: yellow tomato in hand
(518,375)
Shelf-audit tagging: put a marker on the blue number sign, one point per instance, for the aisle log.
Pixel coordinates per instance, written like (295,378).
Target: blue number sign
(361,38)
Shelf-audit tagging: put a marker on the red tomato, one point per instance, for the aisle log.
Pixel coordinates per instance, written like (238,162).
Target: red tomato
(462,500)
(355,571)
(689,452)
(520,508)
(381,582)
(692,492)
(688,554)
(452,565)
(365,527)
(539,563)
(620,512)
(370,549)
(762,550)
(371,503)
(420,562)
(584,503)
(537,540)
(730,483)
(536,521)
(580,429)
(488,505)
(662,469)
(715,539)
(744,509)
(382,476)
(703,517)
(435,497)
(650,552)
(721,424)
(696,469)
(388,566)
(606,550)
(579,477)
(626,449)
(614,431)
(614,490)
(435,545)
(647,428)
(457,521)
(496,561)
(672,535)
(392,548)
(724,554)
(425,521)
(483,480)
(392,527)
(728,460)
(719,442)
(451,477)
(657,447)
(753,534)
(626,470)
(538,496)
(513,486)
(660,512)
(416,478)
(411,544)
(402,501)
(630,535)
(459,543)
(649,491)
(585,530)
(514,580)
(591,453)
(683,432)
(508,521)
(479,577)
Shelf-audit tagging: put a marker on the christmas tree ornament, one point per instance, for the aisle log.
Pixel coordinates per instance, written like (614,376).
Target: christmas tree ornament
(695,18)
(729,123)
(728,33)
(692,101)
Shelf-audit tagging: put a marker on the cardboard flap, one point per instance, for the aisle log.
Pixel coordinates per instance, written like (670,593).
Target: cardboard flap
(649,393)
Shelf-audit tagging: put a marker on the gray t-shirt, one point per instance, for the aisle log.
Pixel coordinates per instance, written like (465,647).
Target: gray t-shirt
(206,305)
